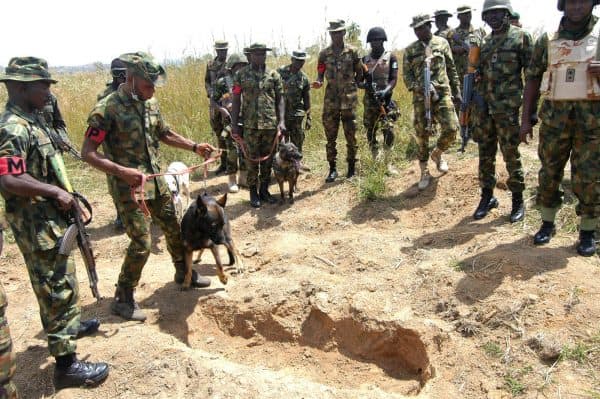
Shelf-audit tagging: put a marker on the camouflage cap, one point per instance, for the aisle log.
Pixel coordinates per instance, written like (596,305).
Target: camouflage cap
(337,25)
(420,20)
(299,55)
(257,47)
(145,66)
(221,45)
(27,69)
(464,9)
(440,13)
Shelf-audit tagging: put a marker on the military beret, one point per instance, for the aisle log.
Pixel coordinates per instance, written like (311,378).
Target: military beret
(145,66)
(299,55)
(337,25)
(27,69)
(420,20)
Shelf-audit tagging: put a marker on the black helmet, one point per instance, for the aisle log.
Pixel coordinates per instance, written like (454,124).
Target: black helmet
(376,33)
(561,4)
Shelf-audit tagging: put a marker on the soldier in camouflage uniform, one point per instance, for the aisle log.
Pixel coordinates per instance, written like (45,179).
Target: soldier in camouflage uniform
(462,38)
(258,93)
(515,19)
(35,209)
(444,89)
(129,126)
(505,53)
(381,75)
(8,390)
(441,23)
(340,64)
(223,100)
(215,69)
(567,69)
(296,89)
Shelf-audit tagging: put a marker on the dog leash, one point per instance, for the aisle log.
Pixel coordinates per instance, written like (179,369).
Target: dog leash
(138,194)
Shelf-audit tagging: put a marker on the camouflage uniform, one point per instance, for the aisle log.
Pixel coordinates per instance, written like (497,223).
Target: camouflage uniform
(215,70)
(259,89)
(132,132)
(502,61)
(463,38)
(570,129)
(8,390)
(294,87)
(222,96)
(445,81)
(107,90)
(38,225)
(341,95)
(380,69)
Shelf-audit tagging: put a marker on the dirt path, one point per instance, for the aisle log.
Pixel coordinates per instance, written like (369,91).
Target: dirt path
(407,296)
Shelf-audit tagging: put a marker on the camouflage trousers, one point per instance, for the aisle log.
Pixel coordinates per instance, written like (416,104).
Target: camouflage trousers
(259,143)
(443,112)
(570,138)
(503,130)
(331,124)
(235,159)
(137,226)
(8,390)
(372,121)
(295,132)
(216,124)
(55,286)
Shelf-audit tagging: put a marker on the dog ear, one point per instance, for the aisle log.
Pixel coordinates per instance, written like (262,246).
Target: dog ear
(200,206)
(222,200)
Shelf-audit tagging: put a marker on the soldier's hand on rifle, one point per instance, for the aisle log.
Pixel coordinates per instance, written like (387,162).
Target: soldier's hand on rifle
(64,199)
(317,84)
(525,131)
(132,176)
(381,94)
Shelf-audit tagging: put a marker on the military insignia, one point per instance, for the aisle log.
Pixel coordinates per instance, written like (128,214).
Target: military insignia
(570,75)
(494,57)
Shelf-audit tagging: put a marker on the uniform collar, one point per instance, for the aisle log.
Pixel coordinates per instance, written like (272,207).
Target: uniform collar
(15,109)
(572,35)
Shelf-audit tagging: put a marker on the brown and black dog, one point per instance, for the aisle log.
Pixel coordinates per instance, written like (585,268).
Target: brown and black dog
(205,225)
(286,168)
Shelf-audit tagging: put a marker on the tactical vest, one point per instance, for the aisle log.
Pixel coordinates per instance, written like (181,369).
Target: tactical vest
(566,77)
(379,68)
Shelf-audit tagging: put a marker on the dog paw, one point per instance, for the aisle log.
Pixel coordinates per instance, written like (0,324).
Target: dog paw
(223,278)
(291,200)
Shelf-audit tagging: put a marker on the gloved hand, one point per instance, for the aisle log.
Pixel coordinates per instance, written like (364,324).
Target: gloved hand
(381,94)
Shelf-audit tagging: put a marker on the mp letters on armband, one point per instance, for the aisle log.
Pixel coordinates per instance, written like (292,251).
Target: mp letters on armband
(95,134)
(12,166)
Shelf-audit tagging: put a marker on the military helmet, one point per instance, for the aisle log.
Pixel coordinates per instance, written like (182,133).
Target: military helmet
(236,58)
(489,5)
(561,4)
(145,66)
(376,33)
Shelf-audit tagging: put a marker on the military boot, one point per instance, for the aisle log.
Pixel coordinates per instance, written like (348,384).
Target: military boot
(425,176)
(351,170)
(545,233)
(587,243)
(125,306)
(487,202)
(518,208)
(440,163)
(232,184)
(332,173)
(254,199)
(87,327)
(71,372)
(198,281)
(264,194)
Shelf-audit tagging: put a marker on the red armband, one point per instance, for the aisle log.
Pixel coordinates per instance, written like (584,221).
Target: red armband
(237,89)
(321,67)
(12,166)
(95,134)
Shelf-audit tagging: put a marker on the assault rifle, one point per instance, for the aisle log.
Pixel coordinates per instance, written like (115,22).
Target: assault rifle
(371,89)
(469,96)
(427,89)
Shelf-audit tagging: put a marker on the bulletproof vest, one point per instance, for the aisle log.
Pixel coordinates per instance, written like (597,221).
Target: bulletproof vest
(566,77)
(379,68)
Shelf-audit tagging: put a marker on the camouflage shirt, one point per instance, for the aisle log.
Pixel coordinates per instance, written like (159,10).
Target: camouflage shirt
(132,132)
(215,69)
(342,72)
(501,64)
(443,32)
(443,72)
(260,91)
(107,90)
(464,38)
(36,222)
(222,93)
(294,87)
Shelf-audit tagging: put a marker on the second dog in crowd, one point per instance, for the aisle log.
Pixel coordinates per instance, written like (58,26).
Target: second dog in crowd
(286,168)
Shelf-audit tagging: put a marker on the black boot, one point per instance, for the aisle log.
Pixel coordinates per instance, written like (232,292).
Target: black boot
(350,169)
(587,243)
(70,372)
(198,281)
(265,196)
(87,327)
(488,201)
(545,233)
(332,173)
(518,208)
(254,199)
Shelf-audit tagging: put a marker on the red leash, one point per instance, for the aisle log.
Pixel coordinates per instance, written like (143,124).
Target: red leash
(138,194)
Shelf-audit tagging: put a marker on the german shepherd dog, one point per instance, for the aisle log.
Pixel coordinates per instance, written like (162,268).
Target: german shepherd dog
(205,225)
(286,168)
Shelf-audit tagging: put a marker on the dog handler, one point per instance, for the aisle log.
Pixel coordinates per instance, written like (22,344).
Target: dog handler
(129,126)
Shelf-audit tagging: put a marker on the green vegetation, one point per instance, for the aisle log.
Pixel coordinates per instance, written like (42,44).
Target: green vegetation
(492,349)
